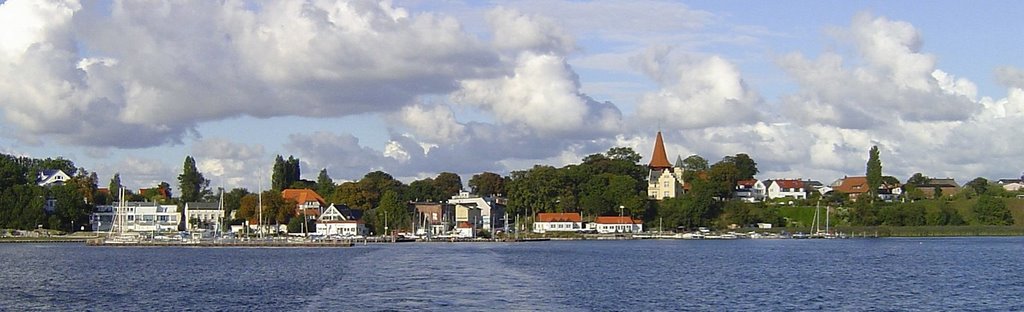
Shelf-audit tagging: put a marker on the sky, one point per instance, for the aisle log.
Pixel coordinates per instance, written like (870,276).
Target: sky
(415,88)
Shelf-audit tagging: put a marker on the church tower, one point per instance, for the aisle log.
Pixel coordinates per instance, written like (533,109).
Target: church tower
(664,181)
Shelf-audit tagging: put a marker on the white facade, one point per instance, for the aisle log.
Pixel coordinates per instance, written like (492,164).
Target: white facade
(492,214)
(204,215)
(52,177)
(566,226)
(332,221)
(465,230)
(606,225)
(786,189)
(618,228)
(136,217)
(1013,186)
(750,191)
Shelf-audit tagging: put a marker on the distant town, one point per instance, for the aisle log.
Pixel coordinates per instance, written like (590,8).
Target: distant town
(605,194)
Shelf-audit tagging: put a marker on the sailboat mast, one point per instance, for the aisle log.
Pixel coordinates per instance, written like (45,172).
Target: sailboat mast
(259,225)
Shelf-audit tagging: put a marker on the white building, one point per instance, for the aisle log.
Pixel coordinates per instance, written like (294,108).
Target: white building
(465,230)
(617,225)
(786,189)
(558,222)
(1011,185)
(52,177)
(136,217)
(208,216)
(334,222)
(492,213)
(750,191)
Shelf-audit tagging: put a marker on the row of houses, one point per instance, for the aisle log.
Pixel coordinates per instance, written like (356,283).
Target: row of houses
(463,215)
(573,222)
(665,180)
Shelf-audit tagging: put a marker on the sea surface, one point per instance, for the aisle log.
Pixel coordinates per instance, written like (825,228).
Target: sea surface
(933,274)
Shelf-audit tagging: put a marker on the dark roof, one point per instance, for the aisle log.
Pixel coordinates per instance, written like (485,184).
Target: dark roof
(348,212)
(947,182)
(203,206)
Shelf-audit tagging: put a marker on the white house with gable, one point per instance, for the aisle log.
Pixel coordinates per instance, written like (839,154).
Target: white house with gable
(334,222)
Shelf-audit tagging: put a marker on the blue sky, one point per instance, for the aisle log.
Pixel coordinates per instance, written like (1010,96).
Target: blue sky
(419,87)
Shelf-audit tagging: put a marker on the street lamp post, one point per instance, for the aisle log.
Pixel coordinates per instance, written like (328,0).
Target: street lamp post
(621,207)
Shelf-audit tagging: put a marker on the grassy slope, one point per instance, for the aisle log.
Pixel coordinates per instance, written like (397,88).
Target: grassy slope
(801,217)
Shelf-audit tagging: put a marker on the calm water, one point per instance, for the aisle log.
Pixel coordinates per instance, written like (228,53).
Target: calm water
(960,274)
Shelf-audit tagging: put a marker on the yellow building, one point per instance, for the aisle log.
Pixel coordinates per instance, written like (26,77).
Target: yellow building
(664,181)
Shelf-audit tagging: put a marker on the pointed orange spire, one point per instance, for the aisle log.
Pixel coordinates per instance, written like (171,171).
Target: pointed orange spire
(659,160)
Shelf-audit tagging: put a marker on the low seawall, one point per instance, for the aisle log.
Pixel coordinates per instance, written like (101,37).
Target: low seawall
(105,243)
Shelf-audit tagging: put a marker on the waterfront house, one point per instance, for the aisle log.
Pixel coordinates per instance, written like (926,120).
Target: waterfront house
(433,218)
(785,189)
(558,222)
(339,219)
(136,217)
(465,230)
(203,215)
(616,224)
(469,213)
(663,180)
(492,209)
(308,203)
(750,191)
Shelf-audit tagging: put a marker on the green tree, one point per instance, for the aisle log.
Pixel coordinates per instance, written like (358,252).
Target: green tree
(393,211)
(534,190)
(233,200)
(979,184)
(917,179)
(424,190)
(625,154)
(745,166)
(11,172)
(487,183)
(285,173)
(693,165)
(874,172)
(191,183)
(722,179)
(324,184)
(70,210)
(990,210)
(449,184)
(115,187)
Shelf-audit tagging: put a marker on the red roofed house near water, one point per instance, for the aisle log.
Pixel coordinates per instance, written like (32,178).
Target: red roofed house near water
(558,222)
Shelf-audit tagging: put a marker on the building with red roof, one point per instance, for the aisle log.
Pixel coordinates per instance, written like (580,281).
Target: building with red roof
(558,222)
(308,203)
(614,224)
(664,181)
(785,189)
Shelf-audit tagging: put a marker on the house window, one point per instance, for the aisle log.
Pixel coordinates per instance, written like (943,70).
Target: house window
(666,193)
(665,184)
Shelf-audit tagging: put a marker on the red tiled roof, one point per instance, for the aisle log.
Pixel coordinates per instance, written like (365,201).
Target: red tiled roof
(746,183)
(301,196)
(617,220)
(465,225)
(853,185)
(559,217)
(790,183)
(341,221)
(659,160)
